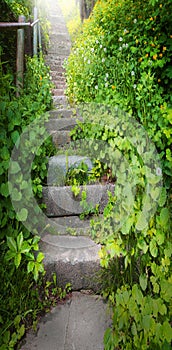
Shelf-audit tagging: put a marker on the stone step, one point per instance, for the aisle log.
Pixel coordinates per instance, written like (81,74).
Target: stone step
(59,85)
(60,201)
(61,124)
(59,49)
(59,165)
(60,38)
(57,92)
(60,101)
(70,225)
(75,260)
(62,113)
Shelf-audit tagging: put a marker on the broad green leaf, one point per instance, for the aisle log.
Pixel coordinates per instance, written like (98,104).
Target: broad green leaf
(21,331)
(15,135)
(36,272)
(10,255)
(17,260)
(163,309)
(142,245)
(25,247)
(14,168)
(4,189)
(141,222)
(146,321)
(5,153)
(160,237)
(143,281)
(137,294)
(155,192)
(22,214)
(163,197)
(126,297)
(16,195)
(40,257)
(164,216)
(30,266)
(167,331)
(133,329)
(153,248)
(11,244)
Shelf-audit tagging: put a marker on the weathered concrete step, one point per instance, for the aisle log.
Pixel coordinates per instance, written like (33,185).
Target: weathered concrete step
(70,225)
(57,92)
(59,165)
(77,324)
(56,59)
(61,124)
(58,74)
(60,201)
(60,101)
(59,85)
(75,260)
(60,38)
(62,113)
(59,49)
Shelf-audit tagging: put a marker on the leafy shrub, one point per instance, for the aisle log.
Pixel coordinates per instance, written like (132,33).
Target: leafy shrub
(122,59)
(19,266)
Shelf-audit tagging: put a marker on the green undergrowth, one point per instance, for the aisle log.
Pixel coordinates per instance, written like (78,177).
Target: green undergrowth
(120,70)
(24,292)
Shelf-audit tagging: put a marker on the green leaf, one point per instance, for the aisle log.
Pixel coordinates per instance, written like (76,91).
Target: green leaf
(16,195)
(153,248)
(40,257)
(14,167)
(17,259)
(143,281)
(137,294)
(167,331)
(141,222)
(15,135)
(160,237)
(5,153)
(142,245)
(22,214)
(163,197)
(25,247)
(133,329)
(11,244)
(30,266)
(19,241)
(146,321)
(4,189)
(164,216)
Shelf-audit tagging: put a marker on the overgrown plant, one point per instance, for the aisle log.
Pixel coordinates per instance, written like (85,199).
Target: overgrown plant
(20,262)
(136,238)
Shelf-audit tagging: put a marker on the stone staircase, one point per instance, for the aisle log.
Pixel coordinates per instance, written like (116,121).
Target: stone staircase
(69,251)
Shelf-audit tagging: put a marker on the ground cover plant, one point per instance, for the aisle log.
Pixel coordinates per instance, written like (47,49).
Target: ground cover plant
(122,63)
(24,294)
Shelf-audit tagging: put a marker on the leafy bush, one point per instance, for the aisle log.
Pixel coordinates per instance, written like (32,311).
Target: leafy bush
(20,267)
(122,60)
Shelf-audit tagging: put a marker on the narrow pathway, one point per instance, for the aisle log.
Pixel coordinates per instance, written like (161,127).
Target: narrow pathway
(58,51)
(80,322)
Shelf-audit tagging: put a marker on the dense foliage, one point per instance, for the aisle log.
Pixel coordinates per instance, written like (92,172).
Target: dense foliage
(22,296)
(122,63)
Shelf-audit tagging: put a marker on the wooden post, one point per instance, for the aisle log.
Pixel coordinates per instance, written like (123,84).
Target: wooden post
(35,33)
(20,56)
